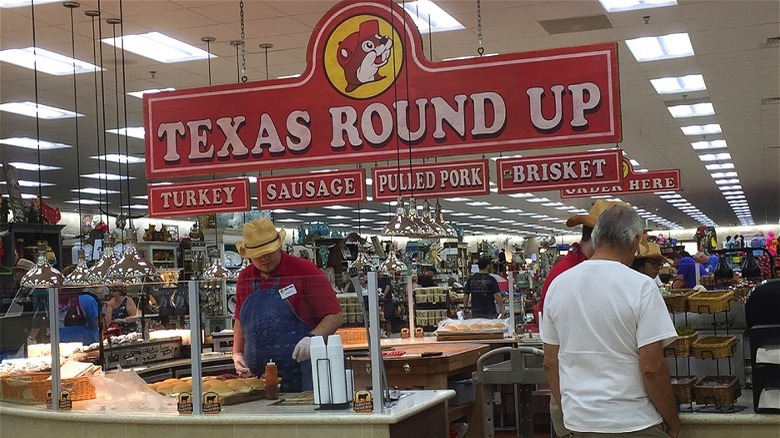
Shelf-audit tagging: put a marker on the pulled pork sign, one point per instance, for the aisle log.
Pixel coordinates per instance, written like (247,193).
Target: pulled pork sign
(667,180)
(553,172)
(202,197)
(368,92)
(432,180)
(311,189)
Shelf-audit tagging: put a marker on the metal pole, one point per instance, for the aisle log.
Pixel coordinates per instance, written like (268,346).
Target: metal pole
(510,281)
(195,347)
(54,338)
(410,303)
(374,348)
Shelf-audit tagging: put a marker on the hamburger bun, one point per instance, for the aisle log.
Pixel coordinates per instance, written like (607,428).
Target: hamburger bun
(166,388)
(447,328)
(222,389)
(255,383)
(181,387)
(238,385)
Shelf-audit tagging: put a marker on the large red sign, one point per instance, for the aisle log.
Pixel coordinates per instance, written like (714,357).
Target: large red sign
(559,171)
(667,180)
(311,189)
(368,93)
(202,197)
(432,180)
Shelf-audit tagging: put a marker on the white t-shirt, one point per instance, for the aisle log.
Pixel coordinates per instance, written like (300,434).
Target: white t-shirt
(600,313)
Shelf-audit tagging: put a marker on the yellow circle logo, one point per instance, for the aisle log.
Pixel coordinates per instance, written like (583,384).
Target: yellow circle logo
(363,56)
(626,166)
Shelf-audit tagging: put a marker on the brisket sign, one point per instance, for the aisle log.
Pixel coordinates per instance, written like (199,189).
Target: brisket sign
(667,180)
(202,197)
(368,93)
(432,180)
(311,189)
(553,172)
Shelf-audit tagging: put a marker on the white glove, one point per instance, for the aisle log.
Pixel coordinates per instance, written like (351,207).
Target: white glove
(302,350)
(240,363)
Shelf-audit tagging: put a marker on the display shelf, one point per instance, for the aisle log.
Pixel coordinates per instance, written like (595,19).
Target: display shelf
(431,305)
(162,254)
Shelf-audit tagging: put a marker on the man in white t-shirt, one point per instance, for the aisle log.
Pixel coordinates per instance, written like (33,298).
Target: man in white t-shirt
(604,329)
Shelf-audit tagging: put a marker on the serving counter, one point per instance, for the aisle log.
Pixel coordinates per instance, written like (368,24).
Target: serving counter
(417,413)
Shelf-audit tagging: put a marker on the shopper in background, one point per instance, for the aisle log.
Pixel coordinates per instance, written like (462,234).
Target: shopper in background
(604,330)
(712,263)
(686,268)
(281,301)
(89,332)
(482,289)
(122,310)
(578,253)
(385,288)
(428,277)
(648,260)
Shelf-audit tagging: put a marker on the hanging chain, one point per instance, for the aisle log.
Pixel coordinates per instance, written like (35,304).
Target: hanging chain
(480,49)
(244,77)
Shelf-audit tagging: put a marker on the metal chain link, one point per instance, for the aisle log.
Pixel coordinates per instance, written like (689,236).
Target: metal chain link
(244,77)
(480,49)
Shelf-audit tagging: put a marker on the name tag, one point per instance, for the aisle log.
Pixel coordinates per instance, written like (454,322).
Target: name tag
(287,291)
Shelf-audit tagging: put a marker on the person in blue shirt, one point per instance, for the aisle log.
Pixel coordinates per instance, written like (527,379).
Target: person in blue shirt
(686,268)
(712,263)
(88,333)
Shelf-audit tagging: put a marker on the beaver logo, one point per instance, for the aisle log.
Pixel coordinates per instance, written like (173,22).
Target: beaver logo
(361,54)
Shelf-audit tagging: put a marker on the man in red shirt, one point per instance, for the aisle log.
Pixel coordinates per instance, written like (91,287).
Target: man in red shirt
(578,253)
(281,301)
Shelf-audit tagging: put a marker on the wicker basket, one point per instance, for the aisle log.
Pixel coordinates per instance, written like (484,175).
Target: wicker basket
(33,388)
(714,347)
(353,335)
(682,388)
(717,390)
(711,282)
(710,301)
(678,300)
(681,347)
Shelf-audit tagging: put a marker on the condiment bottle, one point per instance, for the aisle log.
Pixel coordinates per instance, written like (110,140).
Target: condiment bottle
(271,381)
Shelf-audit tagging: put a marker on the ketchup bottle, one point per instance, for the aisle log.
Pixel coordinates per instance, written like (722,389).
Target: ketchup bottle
(271,381)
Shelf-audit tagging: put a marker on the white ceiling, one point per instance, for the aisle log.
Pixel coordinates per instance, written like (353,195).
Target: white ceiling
(729,40)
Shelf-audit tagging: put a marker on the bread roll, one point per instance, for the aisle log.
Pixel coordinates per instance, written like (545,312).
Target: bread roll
(255,383)
(476,326)
(171,381)
(461,327)
(447,328)
(499,325)
(181,387)
(222,389)
(166,388)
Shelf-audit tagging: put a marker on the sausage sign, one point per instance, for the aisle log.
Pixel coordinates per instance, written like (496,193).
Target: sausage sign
(368,93)
(311,189)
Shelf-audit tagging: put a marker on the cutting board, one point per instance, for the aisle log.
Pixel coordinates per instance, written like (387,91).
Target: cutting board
(243,397)
(467,336)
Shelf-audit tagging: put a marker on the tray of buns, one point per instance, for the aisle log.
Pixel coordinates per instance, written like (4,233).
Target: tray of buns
(471,329)
(231,390)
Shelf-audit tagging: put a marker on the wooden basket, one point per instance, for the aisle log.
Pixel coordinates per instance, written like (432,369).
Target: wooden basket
(714,347)
(678,300)
(682,388)
(710,301)
(33,388)
(717,390)
(681,347)
(353,335)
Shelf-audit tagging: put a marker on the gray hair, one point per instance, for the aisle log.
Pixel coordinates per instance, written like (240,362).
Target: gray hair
(617,227)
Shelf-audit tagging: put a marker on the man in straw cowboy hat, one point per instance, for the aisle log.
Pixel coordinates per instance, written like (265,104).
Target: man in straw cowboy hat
(578,253)
(648,260)
(604,329)
(281,301)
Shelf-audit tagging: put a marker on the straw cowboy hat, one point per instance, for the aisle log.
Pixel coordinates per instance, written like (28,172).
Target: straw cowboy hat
(650,250)
(260,238)
(24,265)
(589,220)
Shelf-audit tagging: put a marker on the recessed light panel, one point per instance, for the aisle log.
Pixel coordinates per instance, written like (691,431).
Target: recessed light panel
(679,84)
(140,94)
(31,143)
(676,45)
(131,131)
(695,110)
(46,61)
(712,128)
(32,166)
(428,16)
(159,47)
(706,145)
(47,112)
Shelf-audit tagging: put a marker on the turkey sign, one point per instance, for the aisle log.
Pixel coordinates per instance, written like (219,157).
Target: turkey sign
(368,93)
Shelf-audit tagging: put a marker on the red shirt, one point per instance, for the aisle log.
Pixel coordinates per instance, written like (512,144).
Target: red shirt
(314,298)
(570,260)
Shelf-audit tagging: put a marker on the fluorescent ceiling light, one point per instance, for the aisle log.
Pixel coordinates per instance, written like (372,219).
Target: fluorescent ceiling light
(83,201)
(119,158)
(537,200)
(478,203)
(288,220)
(724,174)
(337,207)
(281,210)
(139,207)
(719,166)
(735,197)
(17,3)
(340,217)
(26,183)
(735,192)
(369,198)
(495,207)
(695,110)
(385,214)
(712,128)
(159,47)
(310,214)
(521,195)
(132,131)
(31,143)
(106,176)
(715,157)
(32,166)
(704,145)
(47,112)
(455,58)
(676,45)
(141,197)
(95,191)
(457,199)
(46,61)
(428,16)
(734,187)
(460,213)
(368,210)
(675,196)
(288,76)
(369,181)
(679,84)
(552,204)
(140,94)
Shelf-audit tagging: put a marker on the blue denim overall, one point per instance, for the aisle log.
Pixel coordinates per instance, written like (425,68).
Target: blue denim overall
(271,330)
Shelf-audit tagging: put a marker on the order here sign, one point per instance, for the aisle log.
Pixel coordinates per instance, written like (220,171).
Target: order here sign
(664,180)
(368,93)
